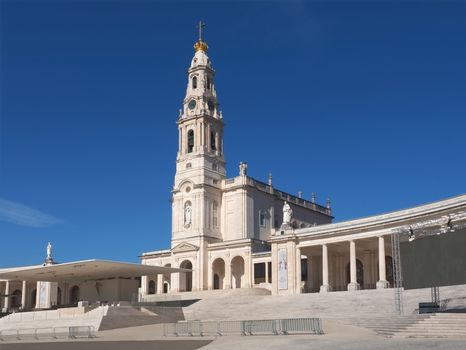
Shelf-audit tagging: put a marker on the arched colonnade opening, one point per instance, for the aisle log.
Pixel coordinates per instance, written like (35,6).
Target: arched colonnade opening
(186,278)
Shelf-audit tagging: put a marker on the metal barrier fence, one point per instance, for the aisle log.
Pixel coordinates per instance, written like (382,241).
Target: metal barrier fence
(48,332)
(251,327)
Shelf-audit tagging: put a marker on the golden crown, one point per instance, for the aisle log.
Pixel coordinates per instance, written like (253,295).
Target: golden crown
(200,45)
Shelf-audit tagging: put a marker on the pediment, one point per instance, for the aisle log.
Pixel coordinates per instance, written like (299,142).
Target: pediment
(184,247)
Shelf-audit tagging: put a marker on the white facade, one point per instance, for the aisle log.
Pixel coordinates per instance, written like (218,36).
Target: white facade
(230,231)
(218,223)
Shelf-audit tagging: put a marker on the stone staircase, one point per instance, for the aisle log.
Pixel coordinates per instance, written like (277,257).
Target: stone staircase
(385,326)
(329,305)
(439,325)
(68,317)
(129,316)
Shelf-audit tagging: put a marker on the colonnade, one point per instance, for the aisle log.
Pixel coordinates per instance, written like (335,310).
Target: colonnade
(10,295)
(353,283)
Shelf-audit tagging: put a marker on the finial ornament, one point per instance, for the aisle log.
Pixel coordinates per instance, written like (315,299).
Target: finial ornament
(200,25)
(200,44)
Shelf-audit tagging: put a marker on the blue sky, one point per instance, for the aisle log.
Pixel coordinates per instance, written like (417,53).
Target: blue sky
(363,102)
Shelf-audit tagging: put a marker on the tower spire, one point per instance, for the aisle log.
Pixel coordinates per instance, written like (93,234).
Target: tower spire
(200,45)
(200,26)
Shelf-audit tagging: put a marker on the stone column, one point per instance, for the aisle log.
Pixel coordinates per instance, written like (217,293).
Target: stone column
(159,283)
(325,287)
(175,281)
(298,271)
(23,295)
(179,141)
(382,282)
(210,276)
(353,285)
(7,299)
(182,141)
(266,272)
(144,286)
(227,284)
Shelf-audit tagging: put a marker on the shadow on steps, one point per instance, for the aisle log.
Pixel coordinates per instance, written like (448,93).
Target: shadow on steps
(129,316)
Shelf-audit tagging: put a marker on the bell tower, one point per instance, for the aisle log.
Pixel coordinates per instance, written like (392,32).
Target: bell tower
(200,164)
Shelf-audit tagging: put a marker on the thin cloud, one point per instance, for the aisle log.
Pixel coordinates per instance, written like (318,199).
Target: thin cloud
(22,215)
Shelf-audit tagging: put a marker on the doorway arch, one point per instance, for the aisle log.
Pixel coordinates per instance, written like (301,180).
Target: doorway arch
(186,278)
(218,273)
(237,272)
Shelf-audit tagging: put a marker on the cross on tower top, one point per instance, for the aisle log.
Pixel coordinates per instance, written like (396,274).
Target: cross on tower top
(199,26)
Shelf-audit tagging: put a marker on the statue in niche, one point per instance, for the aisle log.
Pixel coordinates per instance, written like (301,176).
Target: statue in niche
(187,214)
(287,214)
(243,169)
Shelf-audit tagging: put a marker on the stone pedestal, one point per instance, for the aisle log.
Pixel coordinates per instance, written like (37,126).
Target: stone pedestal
(353,286)
(382,284)
(325,288)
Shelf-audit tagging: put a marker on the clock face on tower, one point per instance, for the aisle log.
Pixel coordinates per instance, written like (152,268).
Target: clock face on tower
(192,104)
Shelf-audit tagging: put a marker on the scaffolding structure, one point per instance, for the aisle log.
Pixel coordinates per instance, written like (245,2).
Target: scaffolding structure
(397,273)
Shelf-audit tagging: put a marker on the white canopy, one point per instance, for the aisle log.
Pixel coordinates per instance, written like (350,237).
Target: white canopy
(83,270)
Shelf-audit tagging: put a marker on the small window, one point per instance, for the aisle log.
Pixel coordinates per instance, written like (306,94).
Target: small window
(208,83)
(214,166)
(151,287)
(188,165)
(190,141)
(262,218)
(259,273)
(213,138)
(194,83)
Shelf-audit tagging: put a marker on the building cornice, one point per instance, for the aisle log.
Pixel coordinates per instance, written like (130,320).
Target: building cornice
(382,224)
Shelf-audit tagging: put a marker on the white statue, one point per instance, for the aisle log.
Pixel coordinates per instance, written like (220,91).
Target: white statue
(49,251)
(243,169)
(287,213)
(187,214)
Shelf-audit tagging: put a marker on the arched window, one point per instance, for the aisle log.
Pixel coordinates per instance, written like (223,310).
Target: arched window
(208,83)
(151,287)
(190,141)
(215,214)
(213,137)
(262,218)
(194,83)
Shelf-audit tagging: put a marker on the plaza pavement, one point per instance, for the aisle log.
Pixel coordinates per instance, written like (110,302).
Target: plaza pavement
(337,336)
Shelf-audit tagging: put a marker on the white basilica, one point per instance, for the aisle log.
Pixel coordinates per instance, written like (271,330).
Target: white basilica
(219,224)
(243,233)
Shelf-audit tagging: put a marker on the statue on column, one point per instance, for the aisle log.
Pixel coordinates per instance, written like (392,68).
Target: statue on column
(287,215)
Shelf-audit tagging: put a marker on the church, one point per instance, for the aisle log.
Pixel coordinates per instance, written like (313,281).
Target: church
(239,232)
(220,224)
